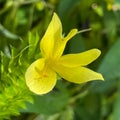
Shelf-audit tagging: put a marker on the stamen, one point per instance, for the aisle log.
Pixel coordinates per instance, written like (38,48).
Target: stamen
(42,72)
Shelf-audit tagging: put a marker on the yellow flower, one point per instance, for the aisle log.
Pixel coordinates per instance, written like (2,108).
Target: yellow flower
(41,75)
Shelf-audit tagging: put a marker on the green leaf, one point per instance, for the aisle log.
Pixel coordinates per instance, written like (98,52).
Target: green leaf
(110,69)
(50,103)
(67,114)
(116,109)
(13,90)
(76,44)
(66,6)
(33,43)
(7,33)
(88,108)
(47,117)
(110,66)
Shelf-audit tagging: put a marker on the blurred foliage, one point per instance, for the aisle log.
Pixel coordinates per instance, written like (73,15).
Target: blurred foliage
(22,25)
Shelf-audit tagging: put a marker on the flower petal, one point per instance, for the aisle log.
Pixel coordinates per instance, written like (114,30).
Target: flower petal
(53,43)
(72,33)
(53,33)
(38,81)
(77,74)
(60,44)
(80,59)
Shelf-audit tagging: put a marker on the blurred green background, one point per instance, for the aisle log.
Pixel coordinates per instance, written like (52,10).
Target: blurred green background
(22,25)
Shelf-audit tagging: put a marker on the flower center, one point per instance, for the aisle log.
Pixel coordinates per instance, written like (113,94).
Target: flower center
(44,71)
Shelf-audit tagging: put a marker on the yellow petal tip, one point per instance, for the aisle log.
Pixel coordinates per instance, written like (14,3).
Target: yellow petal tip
(100,77)
(75,30)
(55,15)
(96,52)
